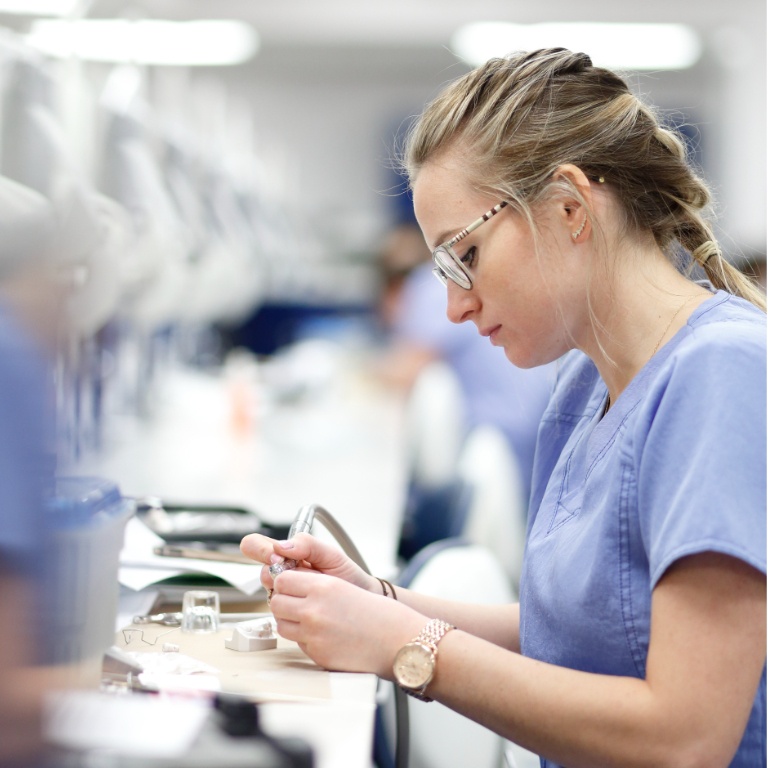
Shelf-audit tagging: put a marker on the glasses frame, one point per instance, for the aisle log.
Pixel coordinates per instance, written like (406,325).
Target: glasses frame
(448,264)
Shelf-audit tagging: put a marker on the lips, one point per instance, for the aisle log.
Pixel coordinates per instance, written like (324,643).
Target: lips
(491,331)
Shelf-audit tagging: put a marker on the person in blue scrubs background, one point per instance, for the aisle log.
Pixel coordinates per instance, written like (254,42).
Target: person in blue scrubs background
(29,321)
(565,222)
(495,392)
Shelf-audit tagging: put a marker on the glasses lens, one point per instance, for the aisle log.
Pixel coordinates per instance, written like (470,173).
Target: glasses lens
(449,266)
(440,275)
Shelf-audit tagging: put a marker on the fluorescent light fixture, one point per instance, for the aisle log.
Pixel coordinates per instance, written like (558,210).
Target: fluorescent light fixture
(39,7)
(619,46)
(147,41)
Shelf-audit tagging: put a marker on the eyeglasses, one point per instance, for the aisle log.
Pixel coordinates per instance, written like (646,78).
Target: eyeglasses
(448,264)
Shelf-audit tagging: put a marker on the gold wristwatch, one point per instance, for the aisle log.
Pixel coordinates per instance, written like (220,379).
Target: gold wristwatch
(415,662)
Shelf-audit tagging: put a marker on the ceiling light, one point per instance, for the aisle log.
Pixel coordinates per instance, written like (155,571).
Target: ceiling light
(617,46)
(147,41)
(39,7)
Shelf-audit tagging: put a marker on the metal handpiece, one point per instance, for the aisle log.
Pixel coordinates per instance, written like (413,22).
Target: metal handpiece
(277,568)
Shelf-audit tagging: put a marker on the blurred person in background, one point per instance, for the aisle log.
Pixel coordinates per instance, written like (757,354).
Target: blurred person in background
(413,309)
(29,320)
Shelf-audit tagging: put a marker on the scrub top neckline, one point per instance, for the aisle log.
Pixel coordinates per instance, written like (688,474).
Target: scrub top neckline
(628,398)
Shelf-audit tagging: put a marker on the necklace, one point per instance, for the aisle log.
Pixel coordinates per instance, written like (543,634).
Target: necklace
(669,324)
(608,403)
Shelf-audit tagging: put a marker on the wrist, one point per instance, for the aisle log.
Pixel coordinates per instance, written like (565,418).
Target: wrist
(415,664)
(387,588)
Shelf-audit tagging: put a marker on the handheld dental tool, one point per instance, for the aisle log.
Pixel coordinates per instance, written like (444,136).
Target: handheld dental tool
(303,524)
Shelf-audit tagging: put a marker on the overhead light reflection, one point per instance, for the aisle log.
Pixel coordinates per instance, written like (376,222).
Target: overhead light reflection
(147,41)
(612,45)
(39,7)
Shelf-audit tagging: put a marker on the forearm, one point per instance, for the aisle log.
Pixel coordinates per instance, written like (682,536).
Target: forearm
(574,718)
(498,624)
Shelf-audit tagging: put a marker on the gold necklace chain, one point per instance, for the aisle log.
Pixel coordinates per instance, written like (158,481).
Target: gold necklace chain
(669,324)
(656,348)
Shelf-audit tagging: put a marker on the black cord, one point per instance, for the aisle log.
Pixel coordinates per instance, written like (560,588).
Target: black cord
(402,728)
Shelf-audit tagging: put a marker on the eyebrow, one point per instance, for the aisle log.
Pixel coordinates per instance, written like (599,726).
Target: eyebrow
(446,236)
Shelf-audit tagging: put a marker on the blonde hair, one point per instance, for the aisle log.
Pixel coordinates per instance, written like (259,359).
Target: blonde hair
(523,116)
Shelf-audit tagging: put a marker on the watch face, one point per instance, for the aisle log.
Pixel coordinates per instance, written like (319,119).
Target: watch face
(414,665)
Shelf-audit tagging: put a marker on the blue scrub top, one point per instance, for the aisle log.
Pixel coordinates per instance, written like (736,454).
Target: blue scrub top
(26,463)
(676,467)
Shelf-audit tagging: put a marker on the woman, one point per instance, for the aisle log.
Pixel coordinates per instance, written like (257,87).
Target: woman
(640,634)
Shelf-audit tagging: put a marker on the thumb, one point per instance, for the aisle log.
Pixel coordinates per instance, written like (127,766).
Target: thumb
(324,557)
(305,547)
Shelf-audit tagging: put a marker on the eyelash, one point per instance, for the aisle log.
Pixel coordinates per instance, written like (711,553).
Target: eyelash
(468,258)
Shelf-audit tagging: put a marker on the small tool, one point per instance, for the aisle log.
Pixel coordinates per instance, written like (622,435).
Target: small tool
(169,619)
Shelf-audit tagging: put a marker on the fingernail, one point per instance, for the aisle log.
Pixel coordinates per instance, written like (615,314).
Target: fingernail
(286,544)
(276,558)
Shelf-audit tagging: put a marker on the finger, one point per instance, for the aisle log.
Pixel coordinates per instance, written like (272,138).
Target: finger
(289,630)
(298,582)
(268,580)
(286,608)
(258,547)
(303,546)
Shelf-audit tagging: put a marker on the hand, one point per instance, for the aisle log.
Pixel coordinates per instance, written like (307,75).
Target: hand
(340,626)
(311,554)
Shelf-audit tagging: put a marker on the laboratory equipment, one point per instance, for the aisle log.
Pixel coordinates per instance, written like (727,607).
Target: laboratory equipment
(86,517)
(200,611)
(179,522)
(305,518)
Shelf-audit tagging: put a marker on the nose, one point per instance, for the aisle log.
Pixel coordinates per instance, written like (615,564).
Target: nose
(461,303)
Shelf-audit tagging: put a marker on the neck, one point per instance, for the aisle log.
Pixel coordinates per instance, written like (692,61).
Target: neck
(642,310)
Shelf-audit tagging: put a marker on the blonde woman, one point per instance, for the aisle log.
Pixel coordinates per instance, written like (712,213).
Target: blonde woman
(564,221)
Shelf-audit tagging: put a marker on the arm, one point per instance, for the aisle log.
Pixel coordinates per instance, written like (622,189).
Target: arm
(707,652)
(497,624)
(21,684)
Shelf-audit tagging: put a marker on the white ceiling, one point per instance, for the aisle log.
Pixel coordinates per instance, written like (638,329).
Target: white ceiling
(427,22)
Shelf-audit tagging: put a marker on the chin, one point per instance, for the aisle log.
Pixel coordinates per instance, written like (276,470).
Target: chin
(520,359)
(514,357)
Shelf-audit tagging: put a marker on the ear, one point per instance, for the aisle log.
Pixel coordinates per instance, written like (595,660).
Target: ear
(574,202)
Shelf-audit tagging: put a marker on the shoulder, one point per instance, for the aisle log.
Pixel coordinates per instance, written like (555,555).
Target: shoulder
(723,347)
(708,389)
(728,320)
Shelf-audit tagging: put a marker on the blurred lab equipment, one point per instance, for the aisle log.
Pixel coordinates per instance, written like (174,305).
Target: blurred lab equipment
(206,523)
(86,518)
(200,611)
(148,732)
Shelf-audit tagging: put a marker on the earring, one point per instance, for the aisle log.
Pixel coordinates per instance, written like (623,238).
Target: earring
(575,235)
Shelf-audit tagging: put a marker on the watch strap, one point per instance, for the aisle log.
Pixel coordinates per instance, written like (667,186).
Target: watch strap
(431,635)
(433,632)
